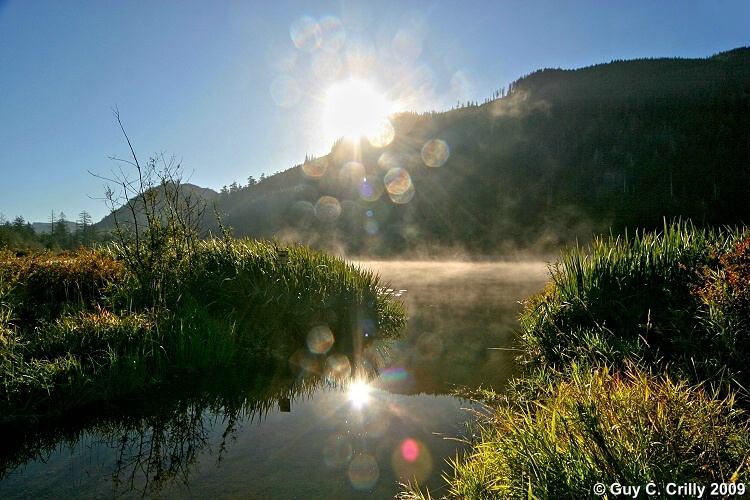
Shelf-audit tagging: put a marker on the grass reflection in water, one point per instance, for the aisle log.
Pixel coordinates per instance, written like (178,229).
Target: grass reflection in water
(150,446)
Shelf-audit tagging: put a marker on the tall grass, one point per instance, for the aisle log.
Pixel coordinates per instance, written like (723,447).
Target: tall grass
(598,426)
(635,358)
(274,305)
(78,329)
(39,288)
(635,299)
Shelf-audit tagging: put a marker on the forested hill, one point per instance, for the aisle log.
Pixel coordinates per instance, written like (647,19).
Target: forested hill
(660,79)
(562,155)
(191,194)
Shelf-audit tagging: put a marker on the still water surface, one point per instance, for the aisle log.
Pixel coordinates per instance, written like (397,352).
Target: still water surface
(327,442)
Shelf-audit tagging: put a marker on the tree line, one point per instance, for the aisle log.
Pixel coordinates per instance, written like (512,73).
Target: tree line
(19,235)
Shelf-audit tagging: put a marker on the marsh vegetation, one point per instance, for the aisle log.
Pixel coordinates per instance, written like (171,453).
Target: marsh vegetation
(634,361)
(79,330)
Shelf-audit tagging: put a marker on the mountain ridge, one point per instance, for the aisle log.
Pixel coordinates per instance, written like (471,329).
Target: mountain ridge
(564,155)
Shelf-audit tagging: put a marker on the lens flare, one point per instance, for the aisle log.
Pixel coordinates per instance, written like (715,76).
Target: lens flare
(369,330)
(396,378)
(377,423)
(282,59)
(334,34)
(371,227)
(302,213)
(412,460)
(406,45)
(435,153)
(462,84)
(320,339)
(460,81)
(397,181)
(389,160)
(305,364)
(314,169)
(371,188)
(405,197)
(285,91)
(383,134)
(421,82)
(394,374)
(410,450)
(430,346)
(352,172)
(327,209)
(306,34)
(364,472)
(337,451)
(338,368)
(361,55)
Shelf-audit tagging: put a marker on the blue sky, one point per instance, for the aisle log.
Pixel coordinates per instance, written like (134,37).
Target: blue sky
(238,88)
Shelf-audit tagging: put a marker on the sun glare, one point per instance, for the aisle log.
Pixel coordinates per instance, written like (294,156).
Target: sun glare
(359,393)
(354,108)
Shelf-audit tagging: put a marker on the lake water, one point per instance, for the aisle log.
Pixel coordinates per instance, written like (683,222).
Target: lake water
(280,437)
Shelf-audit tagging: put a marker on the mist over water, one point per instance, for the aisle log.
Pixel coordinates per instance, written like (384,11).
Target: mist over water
(461,321)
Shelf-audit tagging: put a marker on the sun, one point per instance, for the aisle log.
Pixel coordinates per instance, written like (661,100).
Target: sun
(354,108)
(359,393)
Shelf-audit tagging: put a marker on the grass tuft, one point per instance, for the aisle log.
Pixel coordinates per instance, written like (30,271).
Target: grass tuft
(637,300)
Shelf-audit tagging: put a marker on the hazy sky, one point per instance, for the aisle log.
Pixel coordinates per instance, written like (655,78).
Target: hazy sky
(237,88)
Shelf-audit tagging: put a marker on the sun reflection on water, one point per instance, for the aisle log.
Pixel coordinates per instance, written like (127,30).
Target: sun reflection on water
(359,393)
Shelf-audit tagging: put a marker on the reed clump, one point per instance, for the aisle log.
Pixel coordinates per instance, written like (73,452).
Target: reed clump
(263,294)
(654,298)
